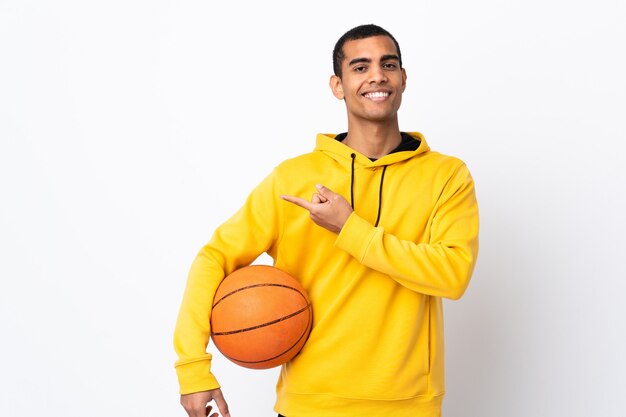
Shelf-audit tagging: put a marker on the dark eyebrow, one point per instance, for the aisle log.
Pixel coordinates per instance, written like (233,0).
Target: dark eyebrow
(359,60)
(389,58)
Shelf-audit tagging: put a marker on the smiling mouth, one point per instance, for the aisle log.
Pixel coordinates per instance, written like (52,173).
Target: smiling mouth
(376,94)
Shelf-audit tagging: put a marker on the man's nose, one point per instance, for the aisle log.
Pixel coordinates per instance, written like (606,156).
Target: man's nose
(378,75)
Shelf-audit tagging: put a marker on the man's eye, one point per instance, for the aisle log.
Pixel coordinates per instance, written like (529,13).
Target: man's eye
(389,66)
(360,69)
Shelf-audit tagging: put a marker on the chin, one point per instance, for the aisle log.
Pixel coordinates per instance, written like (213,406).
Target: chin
(378,117)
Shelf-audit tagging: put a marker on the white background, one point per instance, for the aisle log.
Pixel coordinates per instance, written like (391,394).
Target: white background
(130,129)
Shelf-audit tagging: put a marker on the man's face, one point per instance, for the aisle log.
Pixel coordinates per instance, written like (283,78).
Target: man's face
(372,81)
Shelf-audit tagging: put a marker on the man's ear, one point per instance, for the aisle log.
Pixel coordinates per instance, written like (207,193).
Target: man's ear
(403,79)
(336,87)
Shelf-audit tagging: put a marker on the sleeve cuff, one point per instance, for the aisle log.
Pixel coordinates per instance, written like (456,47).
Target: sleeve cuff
(196,376)
(356,236)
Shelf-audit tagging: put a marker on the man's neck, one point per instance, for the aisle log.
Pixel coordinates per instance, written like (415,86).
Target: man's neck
(373,140)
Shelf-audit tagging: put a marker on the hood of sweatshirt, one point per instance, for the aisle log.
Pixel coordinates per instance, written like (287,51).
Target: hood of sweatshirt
(343,154)
(354,161)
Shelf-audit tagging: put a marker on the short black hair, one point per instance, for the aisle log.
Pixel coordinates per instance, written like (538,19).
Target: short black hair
(359,32)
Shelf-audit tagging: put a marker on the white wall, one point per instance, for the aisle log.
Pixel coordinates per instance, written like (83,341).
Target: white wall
(130,129)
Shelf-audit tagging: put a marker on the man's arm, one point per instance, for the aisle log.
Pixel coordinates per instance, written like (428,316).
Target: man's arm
(441,267)
(236,243)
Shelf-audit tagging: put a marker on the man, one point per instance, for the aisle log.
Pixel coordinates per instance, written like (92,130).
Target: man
(390,229)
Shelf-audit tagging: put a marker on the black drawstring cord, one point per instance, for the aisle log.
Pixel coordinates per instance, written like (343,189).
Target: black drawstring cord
(353,156)
(380,195)
(380,189)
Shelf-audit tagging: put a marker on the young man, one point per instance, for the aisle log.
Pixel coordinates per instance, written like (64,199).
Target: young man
(390,229)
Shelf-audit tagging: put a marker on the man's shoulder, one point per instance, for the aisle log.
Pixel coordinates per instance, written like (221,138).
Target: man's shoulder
(443,159)
(443,167)
(299,162)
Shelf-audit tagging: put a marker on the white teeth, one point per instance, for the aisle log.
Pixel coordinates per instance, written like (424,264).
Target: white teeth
(377,94)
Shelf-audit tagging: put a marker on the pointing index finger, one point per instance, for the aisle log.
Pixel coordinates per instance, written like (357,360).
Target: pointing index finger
(298,201)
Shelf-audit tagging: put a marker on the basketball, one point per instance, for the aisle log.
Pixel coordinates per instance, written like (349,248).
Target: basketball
(261,317)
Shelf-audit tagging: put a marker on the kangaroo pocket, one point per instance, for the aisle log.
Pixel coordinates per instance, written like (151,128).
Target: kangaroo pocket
(383,352)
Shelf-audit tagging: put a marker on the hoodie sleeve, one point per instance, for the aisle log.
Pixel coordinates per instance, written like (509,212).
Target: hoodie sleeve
(236,243)
(441,267)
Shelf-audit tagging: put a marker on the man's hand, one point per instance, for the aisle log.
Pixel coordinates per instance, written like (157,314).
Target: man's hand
(327,209)
(196,404)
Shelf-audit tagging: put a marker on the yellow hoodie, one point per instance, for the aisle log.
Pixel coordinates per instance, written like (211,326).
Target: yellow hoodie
(376,347)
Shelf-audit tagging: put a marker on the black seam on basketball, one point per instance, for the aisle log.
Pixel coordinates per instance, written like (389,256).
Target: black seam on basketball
(255,286)
(269,323)
(306,329)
